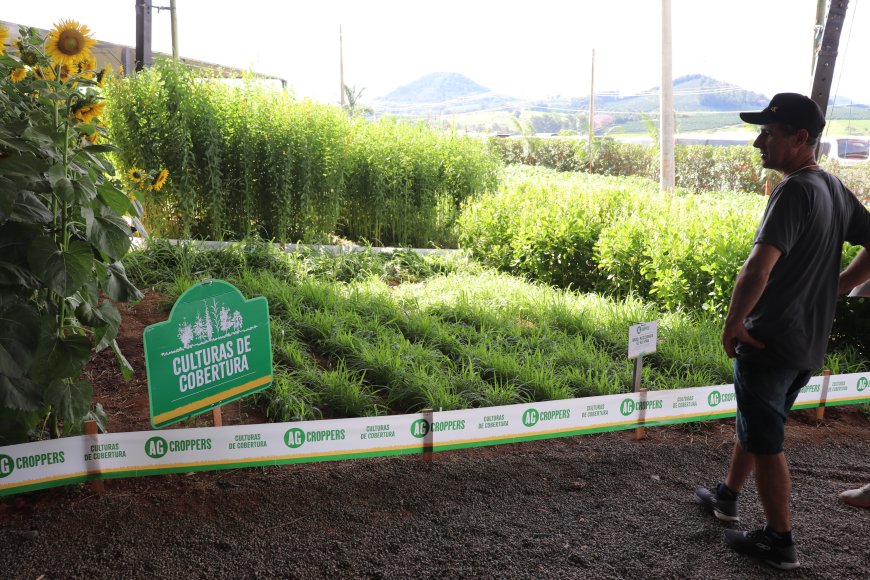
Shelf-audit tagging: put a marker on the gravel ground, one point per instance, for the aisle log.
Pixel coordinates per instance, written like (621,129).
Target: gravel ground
(600,506)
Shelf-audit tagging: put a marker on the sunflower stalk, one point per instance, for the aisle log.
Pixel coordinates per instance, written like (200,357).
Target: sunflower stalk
(55,306)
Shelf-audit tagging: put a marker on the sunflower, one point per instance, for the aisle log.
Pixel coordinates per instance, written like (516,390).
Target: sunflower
(29,58)
(86,67)
(4,35)
(86,111)
(104,74)
(17,74)
(136,175)
(159,181)
(69,42)
(44,72)
(65,72)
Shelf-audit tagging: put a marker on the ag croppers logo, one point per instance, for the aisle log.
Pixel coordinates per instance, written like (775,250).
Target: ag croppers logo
(294,438)
(530,417)
(156,447)
(7,466)
(420,428)
(627,407)
(714,398)
(863,383)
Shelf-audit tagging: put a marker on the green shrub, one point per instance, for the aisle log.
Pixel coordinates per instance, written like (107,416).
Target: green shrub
(405,183)
(615,235)
(245,160)
(697,167)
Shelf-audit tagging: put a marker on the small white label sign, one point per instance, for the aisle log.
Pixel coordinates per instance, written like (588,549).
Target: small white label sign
(642,338)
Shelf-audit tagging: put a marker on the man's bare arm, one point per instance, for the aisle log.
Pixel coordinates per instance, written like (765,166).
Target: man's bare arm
(748,288)
(856,273)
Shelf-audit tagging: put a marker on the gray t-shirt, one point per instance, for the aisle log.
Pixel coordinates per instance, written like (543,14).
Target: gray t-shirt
(807,218)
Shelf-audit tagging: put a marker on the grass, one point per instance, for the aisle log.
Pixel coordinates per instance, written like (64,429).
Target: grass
(365,334)
(860,127)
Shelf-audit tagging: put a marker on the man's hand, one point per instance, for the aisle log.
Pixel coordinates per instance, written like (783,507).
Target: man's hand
(735,333)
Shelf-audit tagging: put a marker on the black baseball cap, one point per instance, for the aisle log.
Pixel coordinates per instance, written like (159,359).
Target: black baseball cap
(790,109)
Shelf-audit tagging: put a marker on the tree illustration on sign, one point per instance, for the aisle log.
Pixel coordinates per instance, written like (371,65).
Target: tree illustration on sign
(185,333)
(215,321)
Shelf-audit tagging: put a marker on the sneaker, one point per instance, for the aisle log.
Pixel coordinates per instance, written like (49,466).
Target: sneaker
(760,545)
(724,509)
(857,497)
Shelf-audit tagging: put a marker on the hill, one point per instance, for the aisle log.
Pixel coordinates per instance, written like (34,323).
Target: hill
(442,92)
(702,103)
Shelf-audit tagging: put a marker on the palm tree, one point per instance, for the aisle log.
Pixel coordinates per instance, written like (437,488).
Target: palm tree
(354,107)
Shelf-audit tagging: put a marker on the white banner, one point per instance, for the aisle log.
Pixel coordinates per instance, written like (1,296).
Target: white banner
(41,464)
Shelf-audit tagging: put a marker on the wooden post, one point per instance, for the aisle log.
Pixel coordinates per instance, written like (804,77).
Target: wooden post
(97,485)
(429,438)
(591,113)
(666,105)
(639,432)
(823,397)
(217,417)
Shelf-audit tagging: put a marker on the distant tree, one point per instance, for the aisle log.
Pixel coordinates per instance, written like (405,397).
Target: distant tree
(354,106)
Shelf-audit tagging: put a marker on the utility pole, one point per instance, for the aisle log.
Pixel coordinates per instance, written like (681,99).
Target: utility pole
(174,24)
(143,34)
(666,133)
(341,64)
(818,29)
(823,74)
(591,112)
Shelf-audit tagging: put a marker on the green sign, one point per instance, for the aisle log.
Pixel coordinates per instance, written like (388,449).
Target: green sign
(215,348)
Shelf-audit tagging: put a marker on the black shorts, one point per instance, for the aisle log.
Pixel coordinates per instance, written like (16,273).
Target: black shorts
(765,395)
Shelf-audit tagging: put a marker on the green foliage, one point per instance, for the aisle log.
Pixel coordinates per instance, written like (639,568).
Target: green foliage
(405,183)
(698,167)
(62,235)
(561,154)
(855,177)
(448,336)
(247,160)
(623,237)
(613,235)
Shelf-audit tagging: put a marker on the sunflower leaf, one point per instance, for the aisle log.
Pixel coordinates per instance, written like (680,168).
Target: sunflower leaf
(19,335)
(19,393)
(115,199)
(63,272)
(117,286)
(108,232)
(71,401)
(59,358)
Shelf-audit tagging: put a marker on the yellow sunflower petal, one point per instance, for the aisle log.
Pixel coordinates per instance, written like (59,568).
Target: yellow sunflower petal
(4,36)
(136,175)
(159,181)
(18,75)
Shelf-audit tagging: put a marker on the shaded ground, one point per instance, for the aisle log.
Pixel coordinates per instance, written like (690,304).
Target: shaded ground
(600,506)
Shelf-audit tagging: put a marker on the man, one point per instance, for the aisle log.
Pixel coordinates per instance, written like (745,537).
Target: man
(780,316)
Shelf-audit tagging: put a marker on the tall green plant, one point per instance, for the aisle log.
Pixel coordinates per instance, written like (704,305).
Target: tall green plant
(246,159)
(61,231)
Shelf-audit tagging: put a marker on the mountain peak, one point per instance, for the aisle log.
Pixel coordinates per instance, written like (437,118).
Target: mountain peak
(438,87)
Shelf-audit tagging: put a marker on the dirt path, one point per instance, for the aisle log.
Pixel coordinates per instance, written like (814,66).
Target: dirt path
(599,506)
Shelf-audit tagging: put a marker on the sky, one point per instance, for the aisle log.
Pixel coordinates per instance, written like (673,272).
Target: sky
(528,50)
